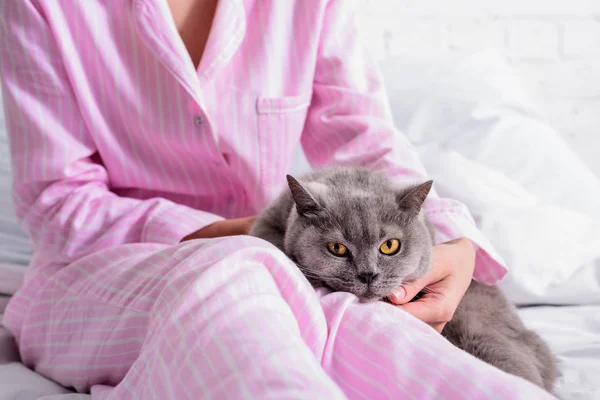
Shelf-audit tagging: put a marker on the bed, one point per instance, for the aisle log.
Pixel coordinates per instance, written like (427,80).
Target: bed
(483,141)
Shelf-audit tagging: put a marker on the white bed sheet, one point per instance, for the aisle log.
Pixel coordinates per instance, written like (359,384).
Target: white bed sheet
(17,382)
(573,332)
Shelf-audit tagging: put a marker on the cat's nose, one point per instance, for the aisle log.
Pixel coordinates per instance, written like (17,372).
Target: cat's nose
(367,277)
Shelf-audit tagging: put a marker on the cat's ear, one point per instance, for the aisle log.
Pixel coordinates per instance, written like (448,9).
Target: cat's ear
(305,203)
(414,199)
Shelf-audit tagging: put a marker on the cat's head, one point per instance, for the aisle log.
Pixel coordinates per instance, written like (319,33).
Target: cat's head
(363,237)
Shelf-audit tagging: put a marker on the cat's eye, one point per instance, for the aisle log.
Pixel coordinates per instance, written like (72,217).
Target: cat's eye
(390,247)
(337,249)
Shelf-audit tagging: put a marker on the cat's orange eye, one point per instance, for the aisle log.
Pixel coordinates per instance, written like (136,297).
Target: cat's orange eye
(390,247)
(337,249)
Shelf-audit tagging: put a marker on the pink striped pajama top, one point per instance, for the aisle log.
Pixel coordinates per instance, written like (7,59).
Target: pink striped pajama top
(120,147)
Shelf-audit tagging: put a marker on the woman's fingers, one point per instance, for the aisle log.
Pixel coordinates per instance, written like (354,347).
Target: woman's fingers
(432,309)
(408,291)
(443,287)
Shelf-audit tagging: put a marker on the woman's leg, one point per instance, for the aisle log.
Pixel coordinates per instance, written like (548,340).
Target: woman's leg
(233,317)
(225,318)
(377,351)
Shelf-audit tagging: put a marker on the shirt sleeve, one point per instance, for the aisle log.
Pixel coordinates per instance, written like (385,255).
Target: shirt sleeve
(349,122)
(61,190)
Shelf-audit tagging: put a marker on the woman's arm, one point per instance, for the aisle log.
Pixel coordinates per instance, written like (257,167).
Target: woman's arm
(61,189)
(350,123)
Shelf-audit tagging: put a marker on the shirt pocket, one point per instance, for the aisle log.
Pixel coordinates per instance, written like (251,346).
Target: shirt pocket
(280,125)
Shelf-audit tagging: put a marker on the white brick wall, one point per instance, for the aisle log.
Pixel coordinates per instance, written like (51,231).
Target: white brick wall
(553,44)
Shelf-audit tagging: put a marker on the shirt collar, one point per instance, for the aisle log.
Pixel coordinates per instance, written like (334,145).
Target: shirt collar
(155,25)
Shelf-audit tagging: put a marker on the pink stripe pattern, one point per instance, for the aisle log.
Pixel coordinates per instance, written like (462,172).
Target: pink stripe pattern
(120,147)
(201,319)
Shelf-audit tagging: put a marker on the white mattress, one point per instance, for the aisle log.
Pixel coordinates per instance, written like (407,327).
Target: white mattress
(573,333)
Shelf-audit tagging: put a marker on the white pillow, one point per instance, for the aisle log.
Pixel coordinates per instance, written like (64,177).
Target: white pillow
(474,104)
(14,244)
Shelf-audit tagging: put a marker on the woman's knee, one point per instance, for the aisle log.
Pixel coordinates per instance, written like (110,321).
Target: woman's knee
(225,247)
(225,262)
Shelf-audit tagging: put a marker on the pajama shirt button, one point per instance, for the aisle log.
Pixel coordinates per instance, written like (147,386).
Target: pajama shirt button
(199,120)
(226,158)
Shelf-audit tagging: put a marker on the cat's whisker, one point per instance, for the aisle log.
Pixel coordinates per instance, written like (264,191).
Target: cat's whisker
(430,291)
(311,274)
(308,272)
(409,282)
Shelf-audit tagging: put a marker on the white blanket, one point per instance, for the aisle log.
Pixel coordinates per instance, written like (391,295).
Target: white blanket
(553,252)
(484,143)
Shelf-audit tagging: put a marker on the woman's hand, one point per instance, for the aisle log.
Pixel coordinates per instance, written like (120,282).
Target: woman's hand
(227,227)
(443,287)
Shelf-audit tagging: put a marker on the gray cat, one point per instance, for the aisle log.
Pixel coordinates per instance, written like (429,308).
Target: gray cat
(353,230)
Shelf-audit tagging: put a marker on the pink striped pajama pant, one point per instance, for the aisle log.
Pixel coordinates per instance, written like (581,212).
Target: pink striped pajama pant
(231,318)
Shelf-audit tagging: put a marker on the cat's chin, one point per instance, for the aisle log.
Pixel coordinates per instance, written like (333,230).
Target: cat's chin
(369,296)
(365,296)
(369,299)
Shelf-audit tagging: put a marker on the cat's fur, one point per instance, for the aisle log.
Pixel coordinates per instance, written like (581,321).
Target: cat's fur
(362,209)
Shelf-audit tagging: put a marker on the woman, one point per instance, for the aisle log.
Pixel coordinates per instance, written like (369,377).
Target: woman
(143,134)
